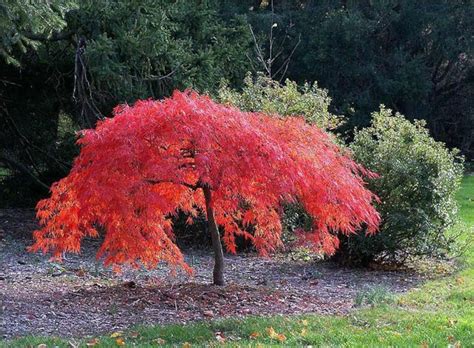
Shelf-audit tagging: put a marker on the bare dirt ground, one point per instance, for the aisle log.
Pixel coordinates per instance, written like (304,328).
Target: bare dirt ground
(79,297)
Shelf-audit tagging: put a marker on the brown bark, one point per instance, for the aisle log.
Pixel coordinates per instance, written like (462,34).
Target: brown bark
(218,274)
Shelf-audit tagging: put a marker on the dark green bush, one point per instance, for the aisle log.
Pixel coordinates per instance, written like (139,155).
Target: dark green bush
(418,181)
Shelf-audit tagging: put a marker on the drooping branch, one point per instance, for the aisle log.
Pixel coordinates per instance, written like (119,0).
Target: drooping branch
(6,157)
(56,36)
(82,93)
(156,182)
(26,143)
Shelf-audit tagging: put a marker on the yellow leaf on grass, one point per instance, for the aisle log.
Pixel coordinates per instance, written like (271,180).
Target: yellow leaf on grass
(303,332)
(116,334)
(304,322)
(186,345)
(274,335)
(271,332)
(120,341)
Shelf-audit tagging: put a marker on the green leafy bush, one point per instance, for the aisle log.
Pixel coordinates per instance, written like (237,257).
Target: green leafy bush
(288,99)
(418,181)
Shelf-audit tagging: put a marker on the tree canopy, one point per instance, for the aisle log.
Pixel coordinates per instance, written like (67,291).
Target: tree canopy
(188,153)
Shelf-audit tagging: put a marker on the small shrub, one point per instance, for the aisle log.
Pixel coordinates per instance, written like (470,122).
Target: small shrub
(373,296)
(418,181)
(263,94)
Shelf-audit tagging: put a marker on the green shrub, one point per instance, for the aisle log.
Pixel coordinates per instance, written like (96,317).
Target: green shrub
(418,181)
(288,99)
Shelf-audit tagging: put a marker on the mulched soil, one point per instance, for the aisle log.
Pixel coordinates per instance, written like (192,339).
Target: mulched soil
(80,298)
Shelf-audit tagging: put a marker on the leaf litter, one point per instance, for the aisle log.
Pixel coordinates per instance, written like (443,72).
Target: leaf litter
(80,297)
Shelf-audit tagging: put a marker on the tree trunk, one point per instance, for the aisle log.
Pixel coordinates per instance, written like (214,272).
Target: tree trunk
(216,240)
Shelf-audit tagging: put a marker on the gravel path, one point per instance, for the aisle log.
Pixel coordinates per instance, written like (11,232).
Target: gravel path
(79,297)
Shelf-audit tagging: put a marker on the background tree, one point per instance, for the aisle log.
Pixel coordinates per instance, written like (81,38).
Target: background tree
(416,57)
(187,153)
(67,63)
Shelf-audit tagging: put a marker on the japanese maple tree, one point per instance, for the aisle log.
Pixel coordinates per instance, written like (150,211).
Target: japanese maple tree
(135,171)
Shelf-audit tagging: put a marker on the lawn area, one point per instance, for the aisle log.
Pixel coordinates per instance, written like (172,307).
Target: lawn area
(437,314)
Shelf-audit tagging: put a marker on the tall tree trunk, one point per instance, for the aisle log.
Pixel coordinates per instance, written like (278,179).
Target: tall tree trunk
(216,240)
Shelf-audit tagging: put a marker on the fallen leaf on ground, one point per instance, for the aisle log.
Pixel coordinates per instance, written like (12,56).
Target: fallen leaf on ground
(120,341)
(275,335)
(209,314)
(254,335)
(93,342)
(116,334)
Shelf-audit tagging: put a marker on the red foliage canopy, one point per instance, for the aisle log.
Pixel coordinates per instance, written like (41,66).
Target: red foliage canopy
(137,169)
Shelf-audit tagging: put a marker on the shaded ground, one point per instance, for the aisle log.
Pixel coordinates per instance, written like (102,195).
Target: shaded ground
(79,297)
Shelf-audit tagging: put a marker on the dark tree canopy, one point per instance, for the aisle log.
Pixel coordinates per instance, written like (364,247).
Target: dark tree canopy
(64,64)
(415,57)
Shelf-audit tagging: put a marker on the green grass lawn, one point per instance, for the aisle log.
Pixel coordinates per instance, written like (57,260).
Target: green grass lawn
(438,314)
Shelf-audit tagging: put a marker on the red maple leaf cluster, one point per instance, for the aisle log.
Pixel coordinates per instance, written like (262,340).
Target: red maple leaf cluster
(135,171)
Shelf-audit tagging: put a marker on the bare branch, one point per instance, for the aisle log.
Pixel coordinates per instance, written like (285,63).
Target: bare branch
(6,157)
(287,61)
(159,78)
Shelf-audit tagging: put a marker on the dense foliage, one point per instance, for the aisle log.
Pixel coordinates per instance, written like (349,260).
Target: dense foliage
(418,181)
(269,96)
(415,57)
(73,61)
(187,153)
(68,62)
